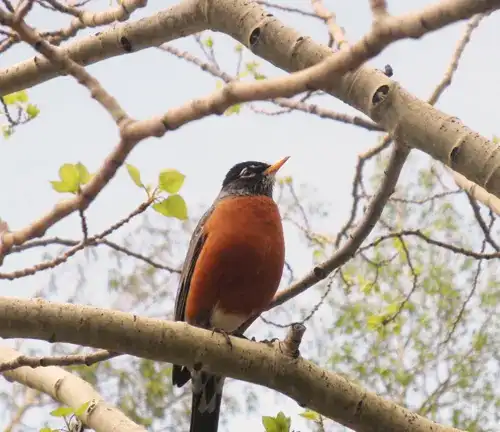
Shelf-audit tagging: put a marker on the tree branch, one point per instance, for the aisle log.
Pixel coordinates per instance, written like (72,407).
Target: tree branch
(474,190)
(177,342)
(78,247)
(84,19)
(112,245)
(70,390)
(66,360)
(290,104)
(444,138)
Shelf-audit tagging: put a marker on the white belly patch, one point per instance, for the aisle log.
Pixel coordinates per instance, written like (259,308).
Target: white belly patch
(226,321)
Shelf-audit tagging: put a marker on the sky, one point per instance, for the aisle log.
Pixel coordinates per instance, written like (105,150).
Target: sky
(72,127)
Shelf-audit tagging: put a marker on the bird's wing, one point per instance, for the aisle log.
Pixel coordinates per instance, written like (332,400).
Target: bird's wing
(195,247)
(180,374)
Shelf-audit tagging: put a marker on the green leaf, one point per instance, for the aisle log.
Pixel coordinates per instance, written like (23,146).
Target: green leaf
(83,173)
(280,423)
(68,173)
(135,175)
(22,96)
(283,422)
(177,207)
(374,321)
(45,429)
(171,180)
(367,288)
(310,415)
(10,99)
(479,340)
(318,254)
(209,42)
(403,378)
(32,111)
(7,131)
(60,187)
(252,66)
(238,48)
(173,206)
(392,308)
(62,412)
(70,179)
(269,424)
(81,409)
(234,109)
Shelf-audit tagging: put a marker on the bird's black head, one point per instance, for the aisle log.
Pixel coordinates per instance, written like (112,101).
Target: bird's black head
(251,178)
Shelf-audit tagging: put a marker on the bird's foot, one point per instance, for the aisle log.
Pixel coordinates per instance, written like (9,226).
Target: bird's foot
(223,333)
(269,341)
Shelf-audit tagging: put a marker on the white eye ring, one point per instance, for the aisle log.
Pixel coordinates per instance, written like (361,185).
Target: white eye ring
(245,173)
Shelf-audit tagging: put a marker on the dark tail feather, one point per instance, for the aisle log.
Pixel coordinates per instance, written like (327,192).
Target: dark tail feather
(180,375)
(205,407)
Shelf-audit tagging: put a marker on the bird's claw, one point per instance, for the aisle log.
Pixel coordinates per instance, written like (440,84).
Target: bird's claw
(269,341)
(223,333)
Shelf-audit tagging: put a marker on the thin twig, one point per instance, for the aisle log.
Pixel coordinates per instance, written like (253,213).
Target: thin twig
(80,246)
(337,33)
(455,60)
(84,19)
(67,360)
(476,191)
(83,220)
(482,223)
(413,287)
(57,57)
(289,9)
(67,242)
(379,10)
(419,234)
(289,104)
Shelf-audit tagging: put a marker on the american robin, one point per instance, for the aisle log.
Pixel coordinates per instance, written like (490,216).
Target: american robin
(232,270)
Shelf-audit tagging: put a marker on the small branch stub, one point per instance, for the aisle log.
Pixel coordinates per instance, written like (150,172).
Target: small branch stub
(254,37)
(380,95)
(290,346)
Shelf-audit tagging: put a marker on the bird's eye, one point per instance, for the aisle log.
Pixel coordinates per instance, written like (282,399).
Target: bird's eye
(246,173)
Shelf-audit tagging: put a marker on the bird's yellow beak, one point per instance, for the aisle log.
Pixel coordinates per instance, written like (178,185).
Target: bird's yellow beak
(273,169)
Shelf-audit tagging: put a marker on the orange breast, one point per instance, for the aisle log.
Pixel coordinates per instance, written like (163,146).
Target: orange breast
(241,263)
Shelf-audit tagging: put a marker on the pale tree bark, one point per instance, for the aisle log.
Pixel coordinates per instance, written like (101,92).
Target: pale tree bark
(179,343)
(408,118)
(72,391)
(477,192)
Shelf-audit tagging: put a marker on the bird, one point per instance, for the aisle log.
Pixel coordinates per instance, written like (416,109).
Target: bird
(232,270)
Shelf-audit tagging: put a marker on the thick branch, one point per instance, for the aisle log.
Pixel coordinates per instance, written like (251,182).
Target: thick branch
(420,126)
(177,342)
(72,391)
(180,20)
(477,192)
